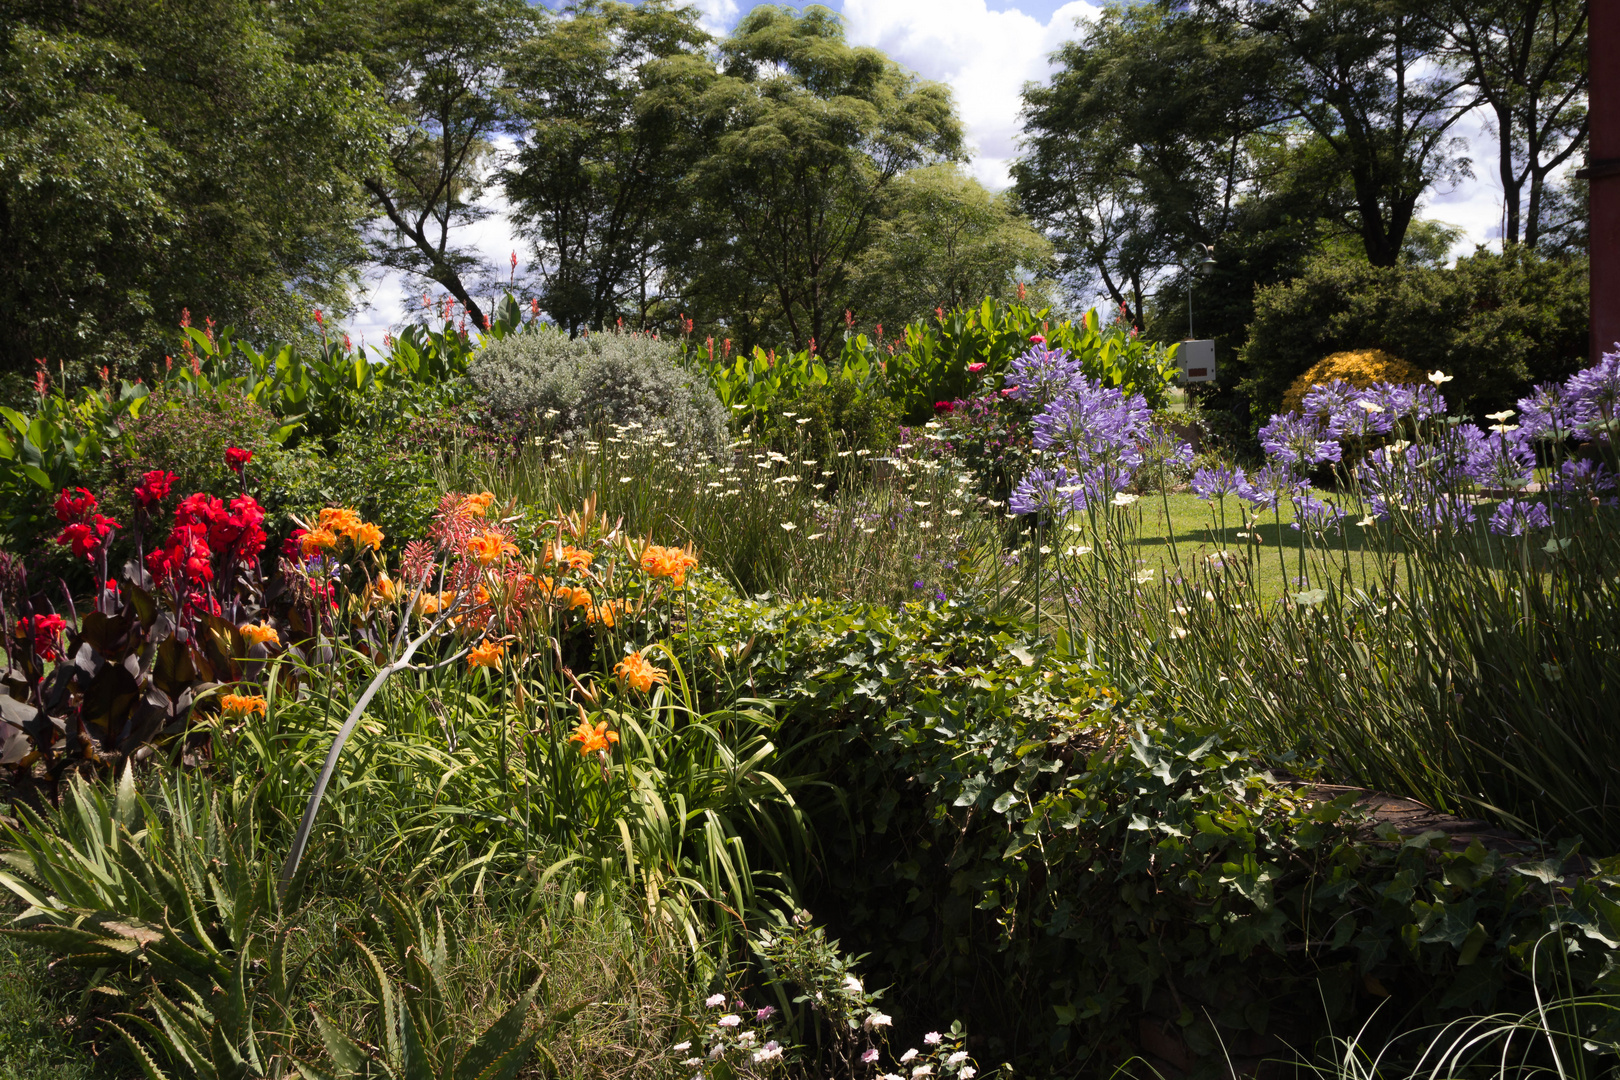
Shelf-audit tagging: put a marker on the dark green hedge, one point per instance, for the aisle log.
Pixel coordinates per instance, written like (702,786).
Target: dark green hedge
(1019,846)
(1498,323)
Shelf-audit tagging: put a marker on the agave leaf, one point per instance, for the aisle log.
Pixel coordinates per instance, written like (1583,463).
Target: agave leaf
(499,1042)
(505,1066)
(142,1056)
(346,1054)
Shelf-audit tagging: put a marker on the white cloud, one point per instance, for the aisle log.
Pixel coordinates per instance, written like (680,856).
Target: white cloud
(718,16)
(985,56)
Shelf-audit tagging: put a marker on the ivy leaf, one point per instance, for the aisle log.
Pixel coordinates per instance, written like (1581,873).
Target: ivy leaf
(1545,871)
(972,787)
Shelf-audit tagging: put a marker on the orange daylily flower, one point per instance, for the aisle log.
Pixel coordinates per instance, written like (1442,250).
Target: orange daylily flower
(490,547)
(315,541)
(605,613)
(260,634)
(572,557)
(485,654)
(669,562)
(338,519)
(478,505)
(242,706)
(367,535)
(385,589)
(593,740)
(571,597)
(635,670)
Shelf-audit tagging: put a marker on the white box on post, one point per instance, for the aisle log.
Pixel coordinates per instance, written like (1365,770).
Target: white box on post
(1196,359)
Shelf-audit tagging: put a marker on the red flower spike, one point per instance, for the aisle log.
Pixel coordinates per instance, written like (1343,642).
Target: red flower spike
(236,458)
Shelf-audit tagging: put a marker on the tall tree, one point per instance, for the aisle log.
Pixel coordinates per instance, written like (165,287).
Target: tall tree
(945,241)
(811,133)
(155,157)
(442,69)
(1528,61)
(1136,153)
(605,93)
(1361,75)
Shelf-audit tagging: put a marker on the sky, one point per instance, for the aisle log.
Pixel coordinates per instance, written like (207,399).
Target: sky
(985,50)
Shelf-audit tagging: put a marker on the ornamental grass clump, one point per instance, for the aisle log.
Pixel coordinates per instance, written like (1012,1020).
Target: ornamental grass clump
(879,528)
(1452,596)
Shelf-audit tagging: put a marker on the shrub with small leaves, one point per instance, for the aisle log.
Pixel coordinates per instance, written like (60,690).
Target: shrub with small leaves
(571,388)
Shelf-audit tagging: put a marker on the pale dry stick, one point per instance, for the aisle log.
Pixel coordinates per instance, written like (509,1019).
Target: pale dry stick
(289,868)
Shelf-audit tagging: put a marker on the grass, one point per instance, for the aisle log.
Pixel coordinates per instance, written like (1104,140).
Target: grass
(768,520)
(38,1038)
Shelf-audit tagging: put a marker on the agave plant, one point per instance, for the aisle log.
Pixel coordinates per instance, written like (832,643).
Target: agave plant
(164,891)
(412,1030)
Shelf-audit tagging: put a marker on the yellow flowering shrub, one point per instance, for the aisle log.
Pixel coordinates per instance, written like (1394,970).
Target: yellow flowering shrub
(1360,368)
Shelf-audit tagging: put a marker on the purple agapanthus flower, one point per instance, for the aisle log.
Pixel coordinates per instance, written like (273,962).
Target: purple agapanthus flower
(1402,402)
(1266,488)
(1299,440)
(1362,417)
(1217,483)
(1325,399)
(1594,394)
(1313,513)
(1050,491)
(1091,421)
(1515,518)
(1581,477)
(1443,510)
(1545,413)
(1041,374)
(1502,460)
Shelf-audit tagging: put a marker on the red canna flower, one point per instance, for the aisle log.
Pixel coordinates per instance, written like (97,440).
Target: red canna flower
(46,631)
(74,507)
(236,458)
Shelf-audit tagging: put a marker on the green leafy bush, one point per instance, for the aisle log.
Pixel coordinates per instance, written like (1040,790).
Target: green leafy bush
(821,419)
(932,360)
(546,381)
(1498,323)
(1020,845)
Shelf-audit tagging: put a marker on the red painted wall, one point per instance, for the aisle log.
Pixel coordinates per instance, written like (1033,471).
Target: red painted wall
(1603,45)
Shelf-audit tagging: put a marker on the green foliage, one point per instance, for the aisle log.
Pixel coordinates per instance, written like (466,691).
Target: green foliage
(945,242)
(838,417)
(928,362)
(154,158)
(546,382)
(1015,822)
(1497,323)
(809,134)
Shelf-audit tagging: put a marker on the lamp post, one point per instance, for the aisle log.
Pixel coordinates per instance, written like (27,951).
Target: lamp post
(1204,267)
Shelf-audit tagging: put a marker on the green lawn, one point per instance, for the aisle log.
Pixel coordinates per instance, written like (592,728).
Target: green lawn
(1191,531)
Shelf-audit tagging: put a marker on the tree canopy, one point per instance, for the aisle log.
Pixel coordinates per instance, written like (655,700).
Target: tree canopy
(808,135)
(158,157)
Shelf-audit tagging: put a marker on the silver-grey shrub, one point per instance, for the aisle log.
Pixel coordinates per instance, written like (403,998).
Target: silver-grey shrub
(543,381)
